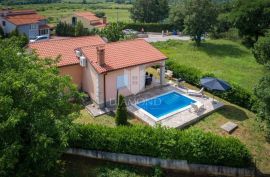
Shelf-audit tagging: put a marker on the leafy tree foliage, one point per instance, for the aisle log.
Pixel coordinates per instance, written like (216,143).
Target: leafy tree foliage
(2,34)
(261,51)
(80,30)
(66,29)
(100,14)
(149,11)
(113,32)
(37,107)
(252,18)
(262,91)
(177,16)
(121,112)
(200,18)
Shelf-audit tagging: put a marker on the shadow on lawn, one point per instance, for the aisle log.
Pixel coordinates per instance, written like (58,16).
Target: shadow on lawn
(222,50)
(233,113)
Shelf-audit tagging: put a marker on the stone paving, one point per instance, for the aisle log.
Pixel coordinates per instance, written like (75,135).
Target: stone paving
(178,120)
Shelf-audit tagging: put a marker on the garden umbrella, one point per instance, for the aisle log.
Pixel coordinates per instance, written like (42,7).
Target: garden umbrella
(214,84)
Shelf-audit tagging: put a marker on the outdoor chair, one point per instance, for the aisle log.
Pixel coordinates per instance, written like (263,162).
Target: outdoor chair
(197,106)
(169,74)
(196,93)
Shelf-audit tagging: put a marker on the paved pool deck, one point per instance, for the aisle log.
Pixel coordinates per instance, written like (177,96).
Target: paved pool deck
(178,120)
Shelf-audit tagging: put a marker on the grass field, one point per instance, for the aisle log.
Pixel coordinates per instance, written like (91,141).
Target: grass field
(106,119)
(54,12)
(228,60)
(250,130)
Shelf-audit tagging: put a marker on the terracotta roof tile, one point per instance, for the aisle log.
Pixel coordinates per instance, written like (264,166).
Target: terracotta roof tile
(123,54)
(23,17)
(65,48)
(88,16)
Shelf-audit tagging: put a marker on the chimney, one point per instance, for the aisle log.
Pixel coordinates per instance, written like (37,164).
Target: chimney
(101,55)
(104,20)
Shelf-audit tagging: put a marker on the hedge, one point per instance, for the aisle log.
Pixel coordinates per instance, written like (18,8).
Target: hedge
(149,27)
(236,95)
(192,145)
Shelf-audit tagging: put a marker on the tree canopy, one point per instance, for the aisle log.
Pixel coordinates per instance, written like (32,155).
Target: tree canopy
(261,51)
(252,18)
(149,11)
(200,18)
(113,32)
(262,91)
(37,108)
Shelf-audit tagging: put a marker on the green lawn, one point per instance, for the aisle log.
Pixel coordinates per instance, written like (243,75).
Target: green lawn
(106,119)
(55,11)
(250,130)
(228,60)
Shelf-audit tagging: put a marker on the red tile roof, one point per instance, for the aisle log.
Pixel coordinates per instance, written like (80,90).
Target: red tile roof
(88,16)
(123,54)
(65,48)
(23,17)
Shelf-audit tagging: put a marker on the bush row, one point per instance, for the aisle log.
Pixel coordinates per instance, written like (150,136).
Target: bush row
(237,95)
(192,145)
(149,27)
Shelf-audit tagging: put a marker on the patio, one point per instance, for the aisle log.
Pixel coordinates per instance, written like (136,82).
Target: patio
(178,120)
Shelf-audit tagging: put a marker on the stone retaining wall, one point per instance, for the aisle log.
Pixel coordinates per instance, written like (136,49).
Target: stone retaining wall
(181,165)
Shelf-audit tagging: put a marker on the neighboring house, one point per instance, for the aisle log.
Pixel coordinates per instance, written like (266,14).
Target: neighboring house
(89,20)
(103,70)
(27,22)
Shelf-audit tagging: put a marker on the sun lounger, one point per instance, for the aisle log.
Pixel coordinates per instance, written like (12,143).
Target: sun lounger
(195,93)
(169,74)
(197,106)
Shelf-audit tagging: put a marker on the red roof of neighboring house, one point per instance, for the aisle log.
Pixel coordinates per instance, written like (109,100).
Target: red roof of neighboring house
(45,27)
(65,48)
(123,54)
(22,17)
(88,16)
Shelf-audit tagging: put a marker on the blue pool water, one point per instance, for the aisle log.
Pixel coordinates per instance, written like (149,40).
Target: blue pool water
(165,104)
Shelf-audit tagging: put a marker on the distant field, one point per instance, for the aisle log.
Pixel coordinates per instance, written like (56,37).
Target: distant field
(228,60)
(54,12)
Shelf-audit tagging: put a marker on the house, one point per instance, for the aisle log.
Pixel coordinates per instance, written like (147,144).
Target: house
(27,22)
(88,19)
(104,70)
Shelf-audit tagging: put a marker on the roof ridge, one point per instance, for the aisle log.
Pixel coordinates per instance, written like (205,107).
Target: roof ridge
(69,38)
(112,43)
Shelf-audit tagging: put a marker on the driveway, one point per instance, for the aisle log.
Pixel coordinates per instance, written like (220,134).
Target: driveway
(159,37)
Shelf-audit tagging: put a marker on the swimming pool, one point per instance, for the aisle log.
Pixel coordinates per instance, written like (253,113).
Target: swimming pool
(165,105)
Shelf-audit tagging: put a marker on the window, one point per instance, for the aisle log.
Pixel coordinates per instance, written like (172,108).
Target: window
(3,23)
(33,26)
(43,31)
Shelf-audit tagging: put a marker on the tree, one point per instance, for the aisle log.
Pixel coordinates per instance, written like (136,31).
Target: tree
(149,11)
(177,16)
(200,18)
(36,113)
(262,91)
(113,32)
(80,30)
(100,14)
(252,18)
(2,34)
(121,112)
(261,51)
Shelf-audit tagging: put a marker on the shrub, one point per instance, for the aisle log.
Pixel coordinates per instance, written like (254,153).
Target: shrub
(192,145)
(261,51)
(121,112)
(236,95)
(149,27)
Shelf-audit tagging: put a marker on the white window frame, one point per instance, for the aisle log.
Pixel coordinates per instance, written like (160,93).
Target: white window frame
(33,26)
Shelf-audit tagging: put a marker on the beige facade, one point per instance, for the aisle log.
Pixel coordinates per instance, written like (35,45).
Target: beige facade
(93,83)
(75,72)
